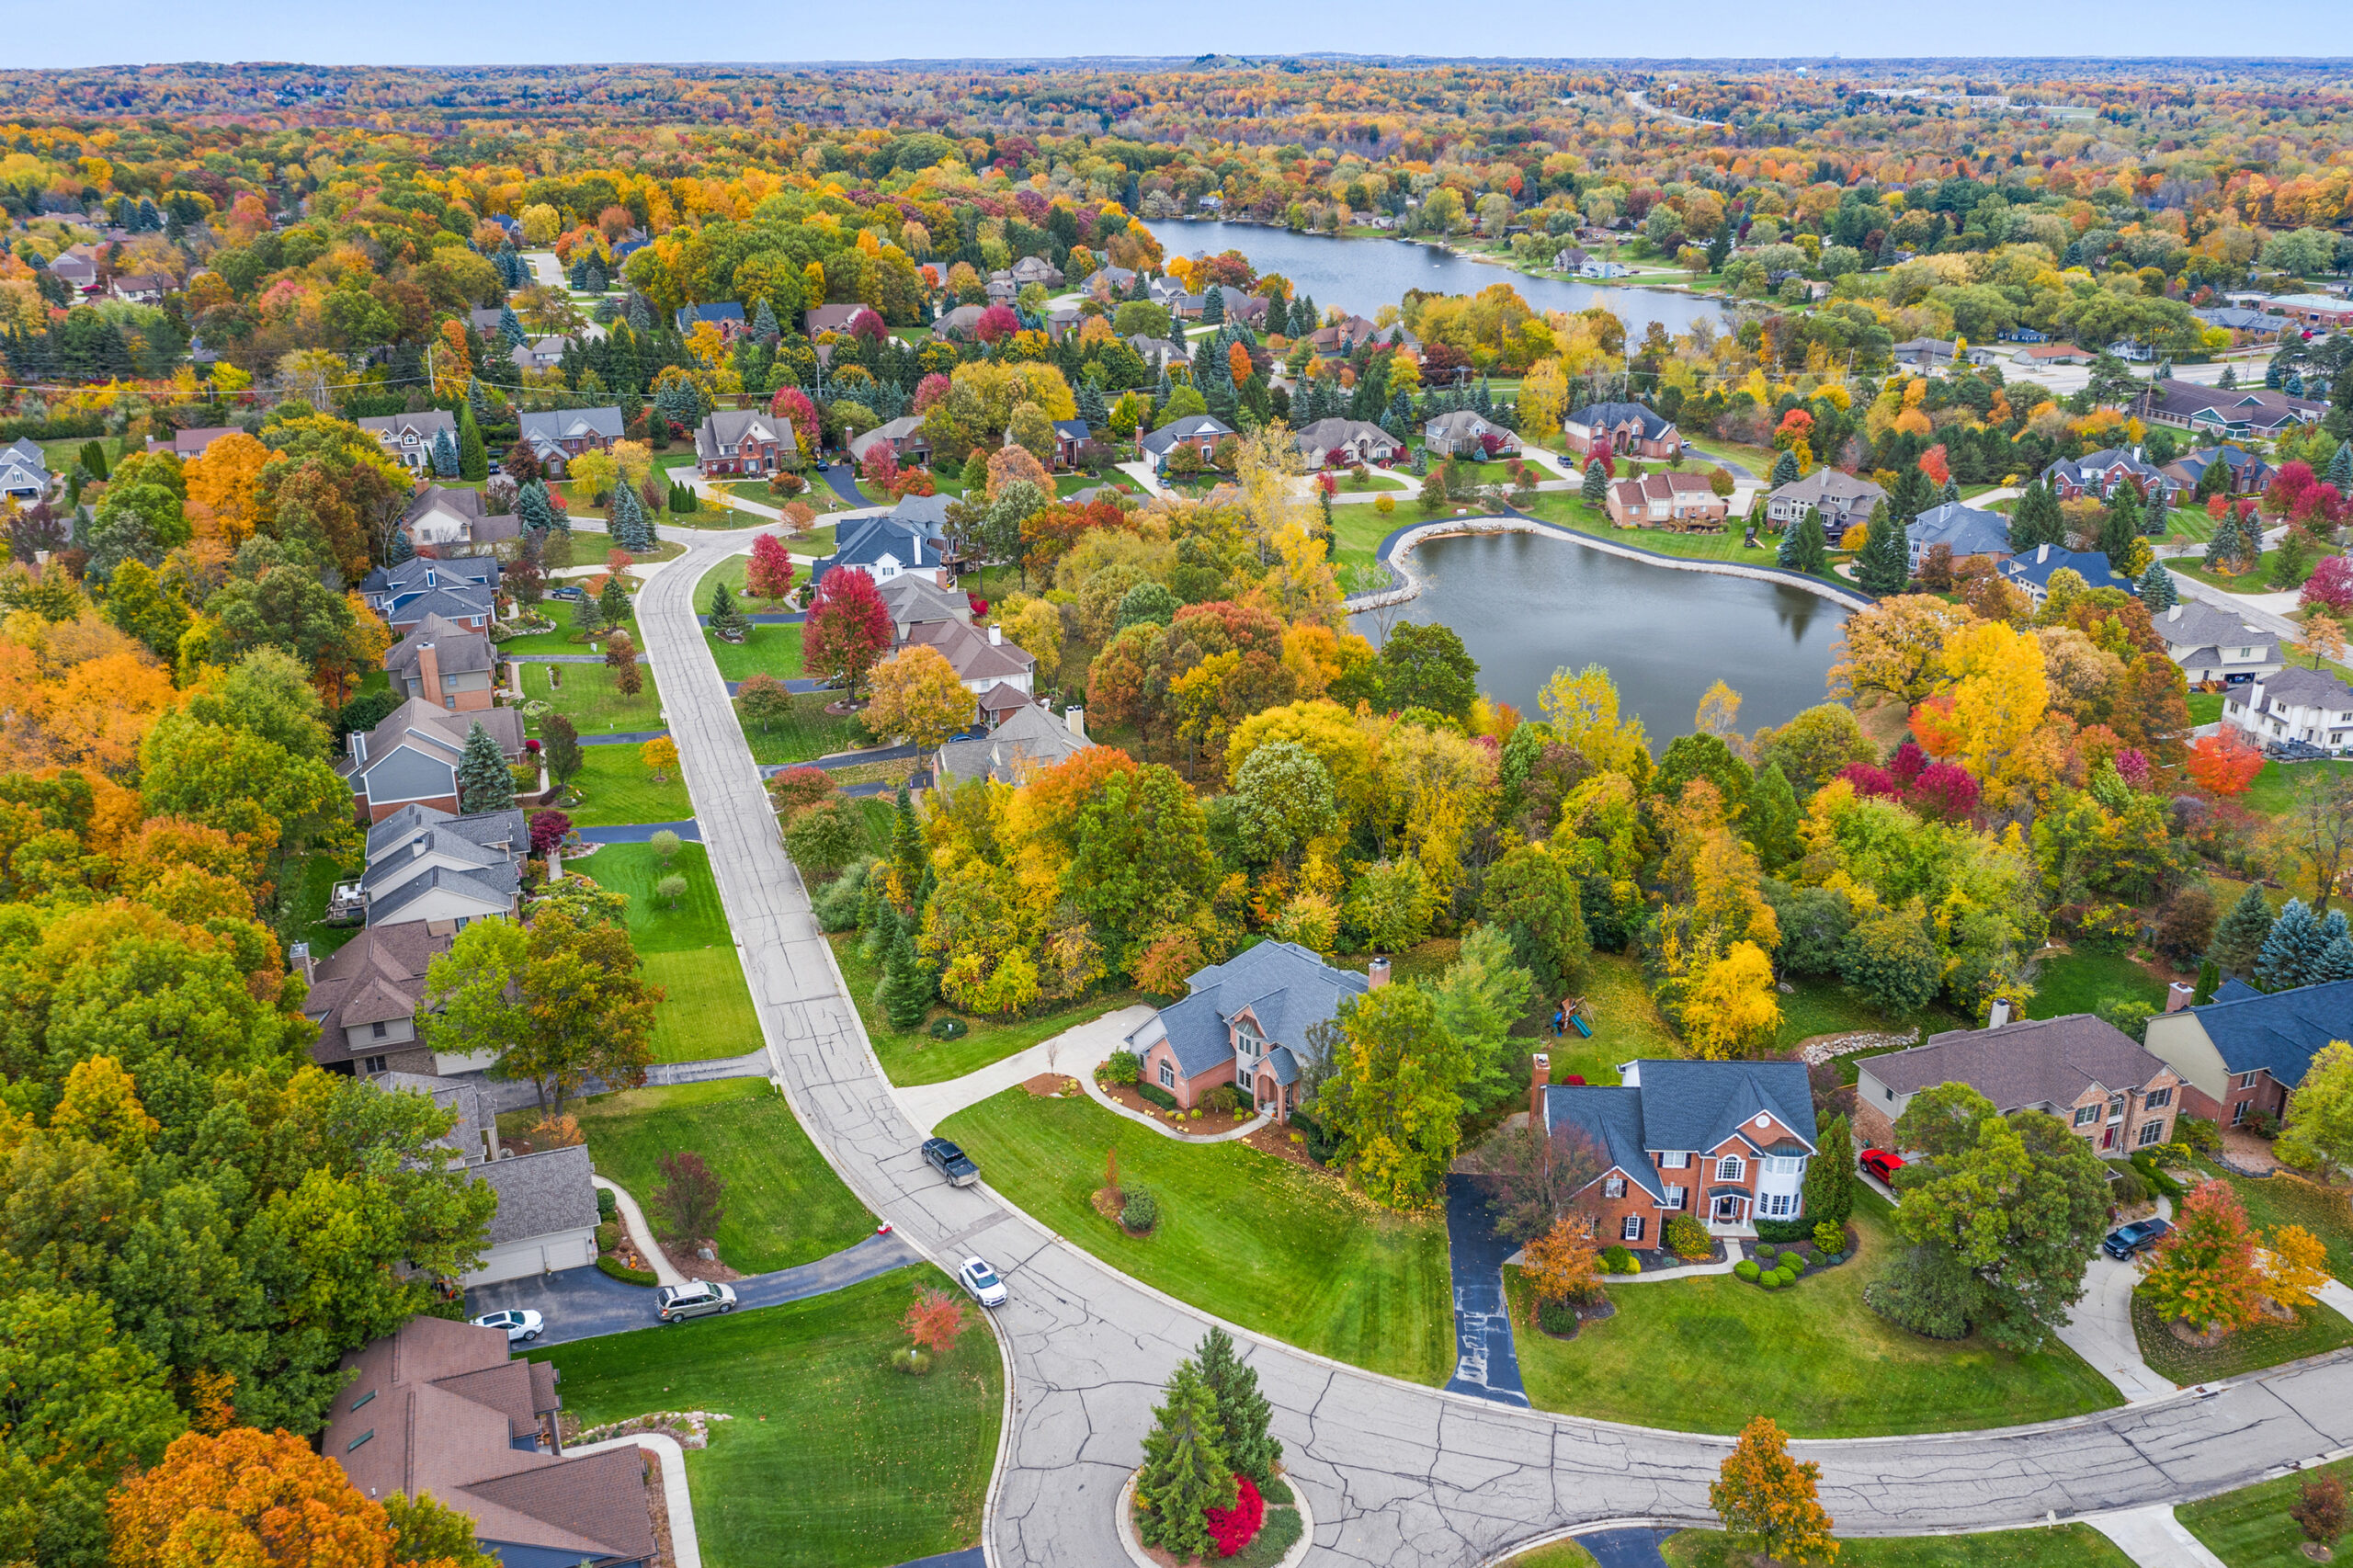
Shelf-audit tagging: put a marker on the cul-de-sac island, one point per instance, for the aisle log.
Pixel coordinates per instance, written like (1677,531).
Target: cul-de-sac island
(1256,810)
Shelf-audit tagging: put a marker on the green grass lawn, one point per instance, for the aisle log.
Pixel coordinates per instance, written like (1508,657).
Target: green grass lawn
(1374,479)
(833,1460)
(1825,1006)
(308,899)
(562,640)
(783,1204)
(1706,1355)
(1560,506)
(1356,531)
(1758,460)
(2315,1332)
(766,649)
(2275,789)
(1560,1554)
(2287,1200)
(2205,707)
(2064,1546)
(809,732)
(731,572)
(2255,582)
(1627,1026)
(615,789)
(2250,1528)
(655,925)
(587,695)
(2078,982)
(914,1057)
(689,951)
(1249,1237)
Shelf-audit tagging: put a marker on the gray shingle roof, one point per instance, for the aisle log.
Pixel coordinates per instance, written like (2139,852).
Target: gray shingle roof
(1030,737)
(484,885)
(1612,1118)
(1964,530)
(1287,988)
(2033,1062)
(568,423)
(540,1194)
(1697,1105)
(1653,424)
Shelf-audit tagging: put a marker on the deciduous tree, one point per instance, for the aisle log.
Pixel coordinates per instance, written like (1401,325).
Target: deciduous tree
(1773,1501)
(2205,1274)
(1395,1094)
(917,693)
(847,630)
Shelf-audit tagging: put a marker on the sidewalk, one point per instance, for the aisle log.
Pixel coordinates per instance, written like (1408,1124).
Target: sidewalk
(640,1232)
(1077,1051)
(2154,1537)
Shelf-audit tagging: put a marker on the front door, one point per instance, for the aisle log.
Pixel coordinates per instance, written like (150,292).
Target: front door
(2108,1138)
(1728,1211)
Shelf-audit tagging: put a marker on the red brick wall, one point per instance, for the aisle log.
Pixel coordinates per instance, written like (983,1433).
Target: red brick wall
(1188,1091)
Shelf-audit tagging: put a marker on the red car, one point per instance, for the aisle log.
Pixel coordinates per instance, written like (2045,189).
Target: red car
(1881,1164)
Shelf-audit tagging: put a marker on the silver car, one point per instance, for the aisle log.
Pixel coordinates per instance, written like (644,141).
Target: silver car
(695,1298)
(982,1281)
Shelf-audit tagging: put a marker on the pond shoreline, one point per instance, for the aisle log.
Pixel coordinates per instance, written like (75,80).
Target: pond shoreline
(1398,546)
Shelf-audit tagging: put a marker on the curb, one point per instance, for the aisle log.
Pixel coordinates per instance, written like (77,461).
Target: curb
(1291,1559)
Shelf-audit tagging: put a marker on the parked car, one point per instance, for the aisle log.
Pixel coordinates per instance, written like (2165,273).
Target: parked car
(695,1299)
(2138,1236)
(981,1281)
(1881,1164)
(521,1324)
(950,1161)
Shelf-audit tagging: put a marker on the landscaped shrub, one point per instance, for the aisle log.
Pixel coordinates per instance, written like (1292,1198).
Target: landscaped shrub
(1766,1250)
(1231,1529)
(1142,1210)
(840,905)
(2128,1185)
(607,1206)
(1123,1068)
(1687,1238)
(608,1237)
(1771,1281)
(1277,1492)
(1275,1537)
(911,1360)
(1557,1317)
(1222,1100)
(1793,1263)
(1828,1237)
(1783,1229)
(2197,1132)
(1320,1145)
(950,1028)
(1155,1094)
(2145,1164)
(1784,1275)
(1616,1259)
(1746,1268)
(627,1276)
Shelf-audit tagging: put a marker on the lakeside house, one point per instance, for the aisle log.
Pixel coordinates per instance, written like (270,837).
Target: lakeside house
(1683,502)
(1964,530)
(1843,499)
(1020,741)
(1630,429)
(2033,573)
(1465,433)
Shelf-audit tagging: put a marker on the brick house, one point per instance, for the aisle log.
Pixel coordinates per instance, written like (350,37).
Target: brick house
(1678,501)
(743,441)
(2246,1050)
(1627,427)
(443,663)
(1201,432)
(1842,498)
(1725,1140)
(2088,1074)
(1246,1023)
(2097,474)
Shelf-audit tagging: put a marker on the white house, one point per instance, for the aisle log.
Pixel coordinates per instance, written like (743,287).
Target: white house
(2310,706)
(2211,643)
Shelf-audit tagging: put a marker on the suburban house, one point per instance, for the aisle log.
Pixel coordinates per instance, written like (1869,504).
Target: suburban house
(452,522)
(566,433)
(1465,434)
(140,288)
(2319,313)
(2240,320)
(2083,1070)
(443,663)
(983,660)
(884,549)
(904,435)
(2211,644)
(2239,412)
(193,441)
(438,866)
(1035,269)
(1964,530)
(1344,443)
(1245,1022)
(832,318)
(2033,573)
(1925,353)
(2097,474)
(1201,432)
(411,757)
(743,441)
(76,266)
(365,998)
(540,353)
(1107,280)
(1843,500)
(462,591)
(1070,435)
(1584,264)
(1344,336)
(1626,427)
(962,321)
(2035,355)
(2249,474)
(410,436)
(1023,741)
(546,1218)
(727,316)
(1678,501)
(1725,1140)
(2297,704)
(23,472)
(439,1408)
(1158,353)
(2245,1051)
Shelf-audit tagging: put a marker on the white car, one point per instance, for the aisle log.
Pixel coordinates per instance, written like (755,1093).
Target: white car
(520,1324)
(981,1281)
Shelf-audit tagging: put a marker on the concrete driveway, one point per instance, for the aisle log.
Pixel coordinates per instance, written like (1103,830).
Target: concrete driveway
(1076,1051)
(2101,1331)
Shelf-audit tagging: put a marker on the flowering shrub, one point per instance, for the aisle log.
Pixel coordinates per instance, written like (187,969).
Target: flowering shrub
(1231,1529)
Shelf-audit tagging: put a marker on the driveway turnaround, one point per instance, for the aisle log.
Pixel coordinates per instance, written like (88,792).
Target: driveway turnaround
(1486,1364)
(1397,1475)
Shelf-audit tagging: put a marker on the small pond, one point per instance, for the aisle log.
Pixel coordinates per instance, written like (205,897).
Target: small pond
(1364,275)
(1525,605)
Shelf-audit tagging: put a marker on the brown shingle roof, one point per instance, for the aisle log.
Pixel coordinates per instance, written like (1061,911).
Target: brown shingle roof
(377,977)
(2034,1061)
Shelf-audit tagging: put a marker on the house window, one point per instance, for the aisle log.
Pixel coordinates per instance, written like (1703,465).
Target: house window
(2086,1115)
(379,1031)
(1728,1169)
(371,1064)
(1631,1229)
(1615,1186)
(2116,1107)
(1675,1198)
(1778,1205)
(2247,1080)
(1784,1165)
(2238,1114)
(1676,1161)
(1167,1074)
(2150,1132)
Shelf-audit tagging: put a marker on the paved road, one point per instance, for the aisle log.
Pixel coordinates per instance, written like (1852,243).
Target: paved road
(1396,1474)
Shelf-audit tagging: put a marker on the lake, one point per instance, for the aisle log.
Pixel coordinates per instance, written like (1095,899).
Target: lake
(1525,605)
(1365,275)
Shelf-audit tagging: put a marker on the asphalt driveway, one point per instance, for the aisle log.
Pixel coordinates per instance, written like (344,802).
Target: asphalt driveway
(1485,1363)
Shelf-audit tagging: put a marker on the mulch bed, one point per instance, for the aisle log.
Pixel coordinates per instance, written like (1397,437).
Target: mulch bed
(1052,1086)
(714,1269)
(1210,1123)
(1276,1139)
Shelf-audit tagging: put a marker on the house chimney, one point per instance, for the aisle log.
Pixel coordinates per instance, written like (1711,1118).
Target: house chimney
(298,959)
(2000,1013)
(1077,719)
(996,636)
(2178,996)
(429,673)
(2041,554)
(1539,1076)
(1376,973)
(2173,613)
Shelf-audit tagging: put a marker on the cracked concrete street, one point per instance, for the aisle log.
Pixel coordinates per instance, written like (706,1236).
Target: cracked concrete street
(1396,1475)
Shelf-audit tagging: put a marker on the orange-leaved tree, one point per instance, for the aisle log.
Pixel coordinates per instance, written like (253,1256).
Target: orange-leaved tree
(1562,1265)
(660,754)
(2224,763)
(935,1321)
(2205,1273)
(1761,1493)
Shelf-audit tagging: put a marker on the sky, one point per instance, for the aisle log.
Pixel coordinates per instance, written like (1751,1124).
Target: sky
(455,32)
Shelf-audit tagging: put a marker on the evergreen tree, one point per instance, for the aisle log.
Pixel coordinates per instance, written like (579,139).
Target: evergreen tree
(906,986)
(2225,547)
(765,328)
(1830,1176)
(612,600)
(727,618)
(1595,489)
(1091,407)
(399,549)
(474,458)
(1784,470)
(477,400)
(1913,493)
(532,506)
(484,784)
(1951,494)
(1811,553)
(2275,374)
(2340,469)
(1884,564)
(1770,819)
(2157,589)
(1214,306)
(445,456)
(1242,1410)
(640,319)
(909,859)
(2336,962)
(1184,1472)
(2036,520)
(510,328)
(625,520)
(2293,952)
(2239,940)
(2153,521)
(586,618)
